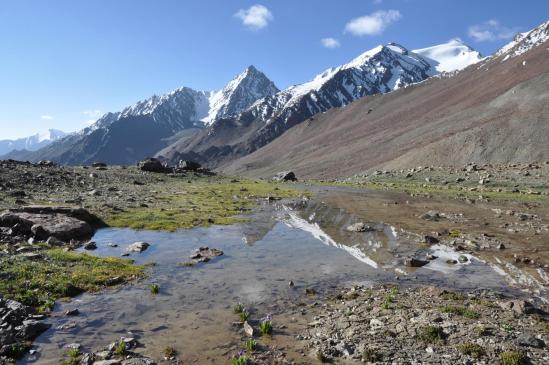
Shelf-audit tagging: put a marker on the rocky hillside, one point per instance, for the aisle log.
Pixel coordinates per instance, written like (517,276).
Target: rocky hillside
(144,128)
(494,111)
(380,70)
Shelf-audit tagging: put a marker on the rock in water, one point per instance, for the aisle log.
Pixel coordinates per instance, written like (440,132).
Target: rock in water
(285,176)
(413,262)
(138,247)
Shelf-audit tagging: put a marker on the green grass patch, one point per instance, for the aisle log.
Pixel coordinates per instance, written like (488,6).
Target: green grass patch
(59,274)
(203,202)
(460,311)
(419,187)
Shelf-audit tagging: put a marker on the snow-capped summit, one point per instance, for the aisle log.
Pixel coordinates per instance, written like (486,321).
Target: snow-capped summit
(142,129)
(451,56)
(240,92)
(523,42)
(31,143)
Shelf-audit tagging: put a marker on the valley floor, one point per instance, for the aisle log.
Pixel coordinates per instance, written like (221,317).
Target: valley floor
(427,265)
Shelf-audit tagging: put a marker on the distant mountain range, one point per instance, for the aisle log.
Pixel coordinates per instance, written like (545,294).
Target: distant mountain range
(219,128)
(31,143)
(380,70)
(144,128)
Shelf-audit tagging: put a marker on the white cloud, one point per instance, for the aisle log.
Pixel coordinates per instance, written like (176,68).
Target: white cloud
(372,24)
(91,121)
(377,1)
(491,31)
(330,42)
(255,17)
(92,113)
(46,117)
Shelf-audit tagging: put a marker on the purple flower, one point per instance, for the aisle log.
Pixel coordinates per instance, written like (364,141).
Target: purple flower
(267,318)
(241,353)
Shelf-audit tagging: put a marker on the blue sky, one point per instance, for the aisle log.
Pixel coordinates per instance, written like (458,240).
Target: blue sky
(65,62)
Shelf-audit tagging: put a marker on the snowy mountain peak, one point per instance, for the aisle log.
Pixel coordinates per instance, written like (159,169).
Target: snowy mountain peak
(523,42)
(31,143)
(240,93)
(450,56)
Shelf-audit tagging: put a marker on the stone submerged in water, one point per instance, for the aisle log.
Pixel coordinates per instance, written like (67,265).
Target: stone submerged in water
(285,176)
(431,216)
(413,262)
(205,254)
(138,247)
(359,227)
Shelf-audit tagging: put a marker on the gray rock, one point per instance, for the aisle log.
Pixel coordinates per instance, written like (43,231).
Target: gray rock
(413,262)
(153,165)
(359,227)
(431,240)
(188,165)
(530,341)
(138,247)
(285,176)
(90,245)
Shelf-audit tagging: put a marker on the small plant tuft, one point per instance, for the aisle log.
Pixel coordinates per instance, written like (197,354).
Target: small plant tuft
(244,315)
(169,352)
(240,358)
(513,358)
(120,349)
(448,295)
(266,325)
(432,334)
(251,344)
(238,308)
(460,311)
(155,289)
(471,349)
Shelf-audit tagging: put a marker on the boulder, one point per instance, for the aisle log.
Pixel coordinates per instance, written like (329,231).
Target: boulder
(285,176)
(43,226)
(153,165)
(99,164)
(359,227)
(188,165)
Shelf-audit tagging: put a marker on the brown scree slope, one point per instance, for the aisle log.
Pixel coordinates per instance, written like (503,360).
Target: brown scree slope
(493,111)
